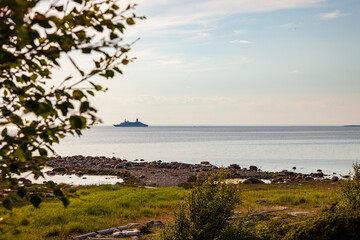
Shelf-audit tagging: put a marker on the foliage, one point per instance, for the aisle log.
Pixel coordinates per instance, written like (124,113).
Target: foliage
(205,212)
(36,111)
(340,221)
(349,191)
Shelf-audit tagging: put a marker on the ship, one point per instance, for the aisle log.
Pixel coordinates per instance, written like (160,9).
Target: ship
(126,123)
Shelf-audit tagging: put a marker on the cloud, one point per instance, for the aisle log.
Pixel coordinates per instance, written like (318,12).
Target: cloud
(178,13)
(331,15)
(241,41)
(239,31)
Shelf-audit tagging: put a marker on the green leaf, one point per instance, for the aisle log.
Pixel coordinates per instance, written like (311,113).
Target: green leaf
(4,132)
(14,167)
(84,106)
(90,92)
(42,152)
(86,50)
(77,94)
(19,153)
(109,73)
(35,201)
(125,61)
(60,8)
(77,122)
(98,28)
(113,36)
(130,21)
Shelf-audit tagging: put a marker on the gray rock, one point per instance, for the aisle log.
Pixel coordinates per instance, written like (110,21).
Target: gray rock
(252,180)
(308,178)
(253,168)
(335,179)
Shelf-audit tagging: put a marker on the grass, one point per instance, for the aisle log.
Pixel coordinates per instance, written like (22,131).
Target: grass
(310,196)
(101,207)
(96,208)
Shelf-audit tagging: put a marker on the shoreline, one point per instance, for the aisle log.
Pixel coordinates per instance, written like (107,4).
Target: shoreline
(165,174)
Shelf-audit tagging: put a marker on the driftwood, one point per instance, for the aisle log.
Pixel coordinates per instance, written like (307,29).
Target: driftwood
(92,234)
(261,214)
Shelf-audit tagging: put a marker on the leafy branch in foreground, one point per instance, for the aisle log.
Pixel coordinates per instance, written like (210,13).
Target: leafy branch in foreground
(36,110)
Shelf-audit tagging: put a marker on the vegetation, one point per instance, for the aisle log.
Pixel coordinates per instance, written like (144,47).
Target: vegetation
(95,208)
(206,211)
(36,110)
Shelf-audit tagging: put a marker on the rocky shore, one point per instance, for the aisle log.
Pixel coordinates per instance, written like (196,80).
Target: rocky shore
(158,173)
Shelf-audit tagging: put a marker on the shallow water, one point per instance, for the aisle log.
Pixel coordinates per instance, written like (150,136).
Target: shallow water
(73,179)
(331,149)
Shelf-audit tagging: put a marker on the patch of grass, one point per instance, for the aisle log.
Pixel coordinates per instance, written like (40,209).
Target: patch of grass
(100,207)
(97,207)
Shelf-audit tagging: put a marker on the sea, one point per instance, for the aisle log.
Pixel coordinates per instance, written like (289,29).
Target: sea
(332,149)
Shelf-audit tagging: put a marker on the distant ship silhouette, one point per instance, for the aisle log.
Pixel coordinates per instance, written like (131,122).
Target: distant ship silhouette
(126,123)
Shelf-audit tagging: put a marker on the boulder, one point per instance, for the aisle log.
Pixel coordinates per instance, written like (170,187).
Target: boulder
(151,224)
(253,168)
(252,180)
(335,179)
(308,178)
(234,166)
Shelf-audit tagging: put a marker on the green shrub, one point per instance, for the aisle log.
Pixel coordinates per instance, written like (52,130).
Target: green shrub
(205,212)
(341,221)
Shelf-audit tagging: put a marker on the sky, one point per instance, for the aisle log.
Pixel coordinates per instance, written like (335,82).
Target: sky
(239,62)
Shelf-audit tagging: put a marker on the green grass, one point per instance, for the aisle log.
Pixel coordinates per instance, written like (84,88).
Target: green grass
(101,207)
(311,196)
(95,209)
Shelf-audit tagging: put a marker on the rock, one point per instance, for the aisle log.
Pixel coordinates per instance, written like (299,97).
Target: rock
(234,166)
(335,179)
(92,234)
(123,228)
(59,169)
(294,168)
(298,213)
(141,176)
(131,225)
(252,180)
(205,163)
(127,233)
(151,224)
(253,168)
(106,231)
(49,194)
(308,178)
(317,175)
(27,182)
(260,202)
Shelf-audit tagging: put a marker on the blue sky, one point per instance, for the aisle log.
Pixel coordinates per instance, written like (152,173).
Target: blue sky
(240,62)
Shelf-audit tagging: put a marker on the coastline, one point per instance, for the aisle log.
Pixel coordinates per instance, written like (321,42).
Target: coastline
(164,174)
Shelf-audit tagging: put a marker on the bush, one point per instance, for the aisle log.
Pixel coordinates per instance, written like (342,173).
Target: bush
(341,221)
(205,212)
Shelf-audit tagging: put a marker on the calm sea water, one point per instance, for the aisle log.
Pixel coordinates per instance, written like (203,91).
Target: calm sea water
(332,149)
